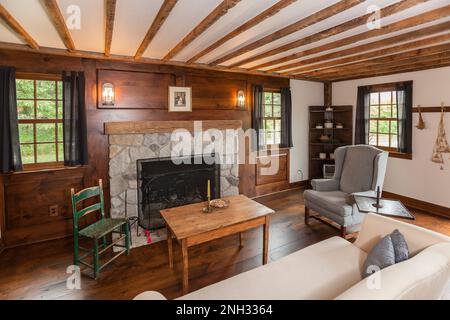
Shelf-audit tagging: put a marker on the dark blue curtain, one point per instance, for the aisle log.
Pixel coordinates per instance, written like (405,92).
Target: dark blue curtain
(10,159)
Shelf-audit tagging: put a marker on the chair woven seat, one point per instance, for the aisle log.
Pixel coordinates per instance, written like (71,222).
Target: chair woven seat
(102,228)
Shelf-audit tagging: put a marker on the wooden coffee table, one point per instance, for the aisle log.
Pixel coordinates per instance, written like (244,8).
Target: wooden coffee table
(190,226)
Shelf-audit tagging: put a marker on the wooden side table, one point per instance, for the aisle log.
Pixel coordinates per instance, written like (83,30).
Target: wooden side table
(190,226)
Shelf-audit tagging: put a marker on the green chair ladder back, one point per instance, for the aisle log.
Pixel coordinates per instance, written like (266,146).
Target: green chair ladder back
(97,230)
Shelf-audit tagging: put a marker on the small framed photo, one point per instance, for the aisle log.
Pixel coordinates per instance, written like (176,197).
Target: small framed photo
(180,99)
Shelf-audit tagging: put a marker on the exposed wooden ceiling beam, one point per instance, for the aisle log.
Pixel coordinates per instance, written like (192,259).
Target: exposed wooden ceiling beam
(110,7)
(377,67)
(17,28)
(372,54)
(58,21)
(428,16)
(157,23)
(129,59)
(407,66)
(299,25)
(343,27)
(277,7)
(212,18)
(383,61)
(408,36)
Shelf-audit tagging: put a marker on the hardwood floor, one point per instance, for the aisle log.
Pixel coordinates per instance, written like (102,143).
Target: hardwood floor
(39,271)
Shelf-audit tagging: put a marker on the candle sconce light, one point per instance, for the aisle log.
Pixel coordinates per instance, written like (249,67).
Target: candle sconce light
(241,99)
(108,94)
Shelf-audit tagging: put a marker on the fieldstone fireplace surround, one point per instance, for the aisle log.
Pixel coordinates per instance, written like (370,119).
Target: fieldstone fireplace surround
(146,140)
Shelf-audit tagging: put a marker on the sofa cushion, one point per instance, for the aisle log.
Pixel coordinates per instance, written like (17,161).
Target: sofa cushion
(358,169)
(320,271)
(376,227)
(334,201)
(422,277)
(380,257)
(400,246)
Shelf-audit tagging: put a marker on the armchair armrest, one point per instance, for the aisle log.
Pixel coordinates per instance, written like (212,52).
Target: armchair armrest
(325,184)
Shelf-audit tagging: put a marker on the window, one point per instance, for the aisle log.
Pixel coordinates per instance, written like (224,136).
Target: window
(383,120)
(272,117)
(39,106)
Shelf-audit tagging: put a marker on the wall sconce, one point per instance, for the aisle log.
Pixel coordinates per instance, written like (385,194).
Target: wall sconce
(241,99)
(108,94)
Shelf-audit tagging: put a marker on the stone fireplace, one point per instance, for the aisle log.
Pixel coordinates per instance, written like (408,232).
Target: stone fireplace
(163,184)
(138,145)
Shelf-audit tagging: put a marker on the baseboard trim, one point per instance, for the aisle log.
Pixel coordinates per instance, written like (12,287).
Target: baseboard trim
(416,204)
(292,186)
(299,184)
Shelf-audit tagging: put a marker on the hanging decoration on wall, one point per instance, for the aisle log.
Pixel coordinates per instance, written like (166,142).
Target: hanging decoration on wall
(441,145)
(421,123)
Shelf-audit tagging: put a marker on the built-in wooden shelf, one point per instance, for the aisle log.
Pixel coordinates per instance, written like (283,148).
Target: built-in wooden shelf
(318,115)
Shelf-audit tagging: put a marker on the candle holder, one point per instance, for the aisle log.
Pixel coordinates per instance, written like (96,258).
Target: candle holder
(208,208)
(377,204)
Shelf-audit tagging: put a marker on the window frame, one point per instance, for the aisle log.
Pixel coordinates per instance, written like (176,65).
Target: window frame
(274,119)
(379,118)
(385,87)
(42,77)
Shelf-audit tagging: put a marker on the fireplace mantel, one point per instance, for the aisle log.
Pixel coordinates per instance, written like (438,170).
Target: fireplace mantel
(144,127)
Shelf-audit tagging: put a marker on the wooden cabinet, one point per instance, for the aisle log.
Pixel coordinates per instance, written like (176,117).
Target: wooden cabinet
(318,115)
(272,172)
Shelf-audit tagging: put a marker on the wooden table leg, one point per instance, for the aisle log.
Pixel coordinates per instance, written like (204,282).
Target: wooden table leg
(169,247)
(184,252)
(266,240)
(241,239)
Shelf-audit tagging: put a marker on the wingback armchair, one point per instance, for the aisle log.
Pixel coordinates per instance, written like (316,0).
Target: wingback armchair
(360,170)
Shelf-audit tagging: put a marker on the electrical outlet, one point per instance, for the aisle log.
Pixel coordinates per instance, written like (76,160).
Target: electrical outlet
(53,210)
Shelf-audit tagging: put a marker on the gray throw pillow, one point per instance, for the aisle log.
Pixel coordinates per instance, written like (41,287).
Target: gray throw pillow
(400,246)
(381,256)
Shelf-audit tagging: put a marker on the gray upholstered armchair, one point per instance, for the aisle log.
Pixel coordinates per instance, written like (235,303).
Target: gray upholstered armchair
(359,170)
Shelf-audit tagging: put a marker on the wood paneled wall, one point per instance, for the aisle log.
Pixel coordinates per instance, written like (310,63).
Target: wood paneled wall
(213,99)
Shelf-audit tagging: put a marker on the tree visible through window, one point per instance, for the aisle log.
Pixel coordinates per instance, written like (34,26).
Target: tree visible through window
(272,117)
(39,106)
(383,120)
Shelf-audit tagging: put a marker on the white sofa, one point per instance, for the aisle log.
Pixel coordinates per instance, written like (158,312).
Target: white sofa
(331,269)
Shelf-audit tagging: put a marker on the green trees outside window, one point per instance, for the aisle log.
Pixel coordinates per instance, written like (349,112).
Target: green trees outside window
(39,106)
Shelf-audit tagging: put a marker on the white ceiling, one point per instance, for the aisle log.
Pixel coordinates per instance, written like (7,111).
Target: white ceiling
(134,17)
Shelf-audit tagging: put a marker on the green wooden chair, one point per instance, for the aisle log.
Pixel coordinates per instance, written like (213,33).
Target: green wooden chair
(98,230)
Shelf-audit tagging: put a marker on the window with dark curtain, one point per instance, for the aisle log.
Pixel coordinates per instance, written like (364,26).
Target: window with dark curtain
(286,118)
(384,116)
(258,117)
(74,119)
(10,159)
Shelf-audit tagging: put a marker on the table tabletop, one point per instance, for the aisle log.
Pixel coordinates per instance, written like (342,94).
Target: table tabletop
(189,220)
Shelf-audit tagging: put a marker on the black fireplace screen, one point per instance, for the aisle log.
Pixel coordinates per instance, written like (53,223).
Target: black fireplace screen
(163,184)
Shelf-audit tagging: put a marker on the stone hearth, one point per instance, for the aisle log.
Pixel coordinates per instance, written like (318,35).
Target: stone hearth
(125,149)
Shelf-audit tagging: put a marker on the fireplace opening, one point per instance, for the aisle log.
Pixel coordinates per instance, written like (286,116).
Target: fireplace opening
(163,184)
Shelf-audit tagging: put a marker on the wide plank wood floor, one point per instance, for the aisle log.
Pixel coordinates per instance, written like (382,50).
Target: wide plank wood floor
(39,271)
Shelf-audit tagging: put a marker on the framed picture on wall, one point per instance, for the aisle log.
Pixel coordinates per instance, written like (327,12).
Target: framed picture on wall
(180,99)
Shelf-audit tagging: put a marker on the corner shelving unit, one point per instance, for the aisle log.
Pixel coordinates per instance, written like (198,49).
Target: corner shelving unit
(339,137)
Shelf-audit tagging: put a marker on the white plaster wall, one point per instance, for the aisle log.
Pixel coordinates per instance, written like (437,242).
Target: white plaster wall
(418,178)
(304,94)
